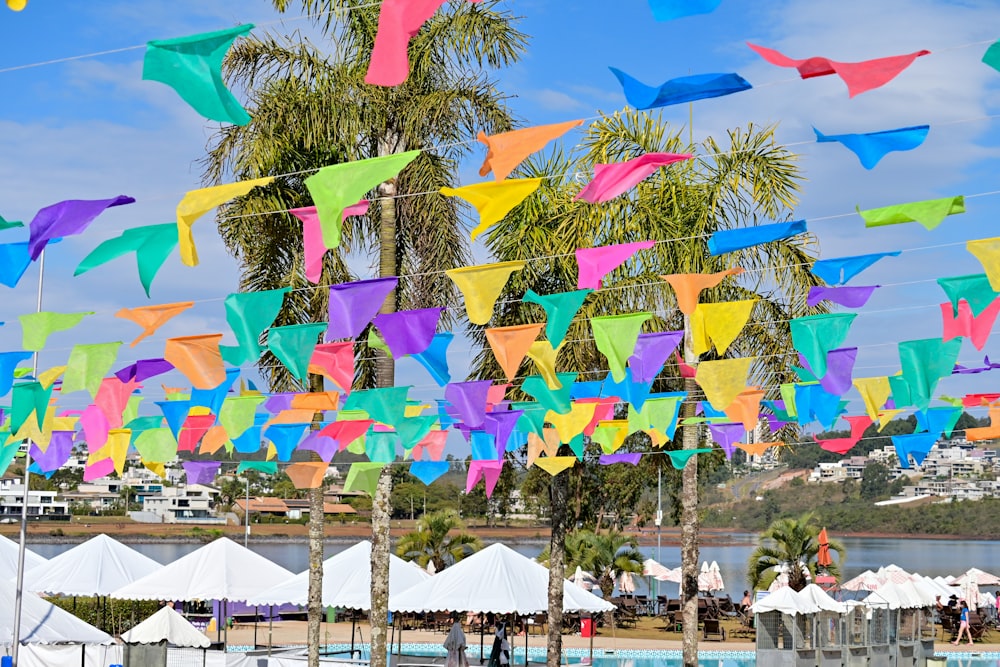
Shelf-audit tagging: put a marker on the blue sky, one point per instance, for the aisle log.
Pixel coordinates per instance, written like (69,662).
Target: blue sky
(91,128)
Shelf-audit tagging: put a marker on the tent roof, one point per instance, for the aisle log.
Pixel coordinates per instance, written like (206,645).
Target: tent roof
(346,581)
(496,579)
(220,570)
(42,622)
(166,625)
(817,596)
(865,581)
(978,577)
(99,566)
(899,596)
(8,559)
(786,601)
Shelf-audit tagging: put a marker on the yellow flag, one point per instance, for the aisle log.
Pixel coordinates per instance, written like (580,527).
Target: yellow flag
(610,434)
(719,323)
(116,449)
(197,203)
(511,344)
(723,380)
(886,416)
(555,464)
(493,200)
(544,356)
(158,469)
(41,436)
(874,392)
(571,424)
(481,285)
(46,378)
(987,251)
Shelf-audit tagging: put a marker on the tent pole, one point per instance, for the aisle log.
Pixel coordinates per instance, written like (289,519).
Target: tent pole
(482,632)
(225,629)
(353,620)
(256,613)
(525,625)
(270,627)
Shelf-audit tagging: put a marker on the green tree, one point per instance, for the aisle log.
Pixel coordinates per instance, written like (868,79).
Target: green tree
(440,538)
(311,108)
(739,182)
(874,481)
(790,545)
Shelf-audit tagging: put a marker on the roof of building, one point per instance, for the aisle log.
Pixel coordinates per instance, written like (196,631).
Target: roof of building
(263,504)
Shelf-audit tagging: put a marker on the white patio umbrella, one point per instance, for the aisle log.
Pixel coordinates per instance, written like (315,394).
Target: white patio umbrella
(716,574)
(583,579)
(626,583)
(978,577)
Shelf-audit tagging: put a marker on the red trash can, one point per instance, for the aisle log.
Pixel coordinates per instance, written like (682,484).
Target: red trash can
(586,626)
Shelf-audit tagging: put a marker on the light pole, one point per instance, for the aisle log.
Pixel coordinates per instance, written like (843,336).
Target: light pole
(19,586)
(246,517)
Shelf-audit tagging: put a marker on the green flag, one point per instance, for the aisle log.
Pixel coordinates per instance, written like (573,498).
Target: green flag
(557,400)
(87,366)
(615,337)
(237,413)
(929,213)
(151,244)
(131,410)
(156,445)
(37,327)
(680,457)
(560,309)
(900,390)
(814,336)
(363,476)
(386,405)
(532,419)
(924,362)
(412,430)
(992,56)
(7,454)
(293,345)
(28,397)
(248,315)
(336,187)
(266,467)
(192,66)
(380,446)
(974,288)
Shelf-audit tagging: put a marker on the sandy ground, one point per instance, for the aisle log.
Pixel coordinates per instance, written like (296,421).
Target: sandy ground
(294,632)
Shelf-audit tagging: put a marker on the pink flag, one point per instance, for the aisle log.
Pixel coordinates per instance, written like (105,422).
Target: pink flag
(611,180)
(431,447)
(312,236)
(488,471)
(977,329)
(595,263)
(859,77)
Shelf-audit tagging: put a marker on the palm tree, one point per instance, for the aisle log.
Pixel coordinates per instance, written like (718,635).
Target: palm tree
(311,108)
(607,555)
(434,541)
(790,546)
(741,182)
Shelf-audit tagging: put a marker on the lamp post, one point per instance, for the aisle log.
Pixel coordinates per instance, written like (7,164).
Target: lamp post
(246,517)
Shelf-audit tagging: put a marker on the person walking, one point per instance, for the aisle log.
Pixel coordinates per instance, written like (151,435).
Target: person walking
(963,624)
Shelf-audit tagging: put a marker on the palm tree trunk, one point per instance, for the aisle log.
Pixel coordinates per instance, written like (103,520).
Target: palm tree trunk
(559,496)
(316,534)
(378,616)
(689,530)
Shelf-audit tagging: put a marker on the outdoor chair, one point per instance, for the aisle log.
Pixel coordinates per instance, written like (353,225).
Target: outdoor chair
(712,629)
(745,627)
(625,617)
(977,627)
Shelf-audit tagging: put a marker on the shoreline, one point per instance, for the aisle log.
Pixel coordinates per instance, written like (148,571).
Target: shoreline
(136,533)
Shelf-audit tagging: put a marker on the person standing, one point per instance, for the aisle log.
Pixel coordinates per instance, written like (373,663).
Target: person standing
(963,624)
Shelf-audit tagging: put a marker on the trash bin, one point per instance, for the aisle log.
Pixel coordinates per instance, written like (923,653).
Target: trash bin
(586,626)
(6,661)
(937,661)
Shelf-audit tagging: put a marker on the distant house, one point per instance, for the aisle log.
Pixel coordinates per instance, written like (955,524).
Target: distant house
(42,505)
(184,503)
(290,508)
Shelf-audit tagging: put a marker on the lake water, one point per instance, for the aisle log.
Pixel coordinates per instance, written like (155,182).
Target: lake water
(928,557)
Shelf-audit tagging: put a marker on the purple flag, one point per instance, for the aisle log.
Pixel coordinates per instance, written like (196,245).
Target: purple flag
(324,446)
(849,297)
(143,369)
(56,454)
(201,472)
(652,351)
(964,370)
(468,400)
(773,423)
(501,425)
(67,218)
(408,331)
(353,305)
(275,403)
(622,457)
(725,435)
(839,369)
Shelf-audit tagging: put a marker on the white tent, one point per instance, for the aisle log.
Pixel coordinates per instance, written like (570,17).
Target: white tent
(347,581)
(97,567)
(786,601)
(8,559)
(220,570)
(898,596)
(496,579)
(43,623)
(817,596)
(169,626)
(866,581)
(978,577)
(893,573)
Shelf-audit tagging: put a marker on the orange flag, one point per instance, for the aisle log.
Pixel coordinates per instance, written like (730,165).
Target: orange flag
(550,445)
(688,286)
(746,408)
(507,150)
(317,400)
(198,358)
(151,318)
(986,432)
(308,475)
(213,440)
(758,448)
(511,344)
